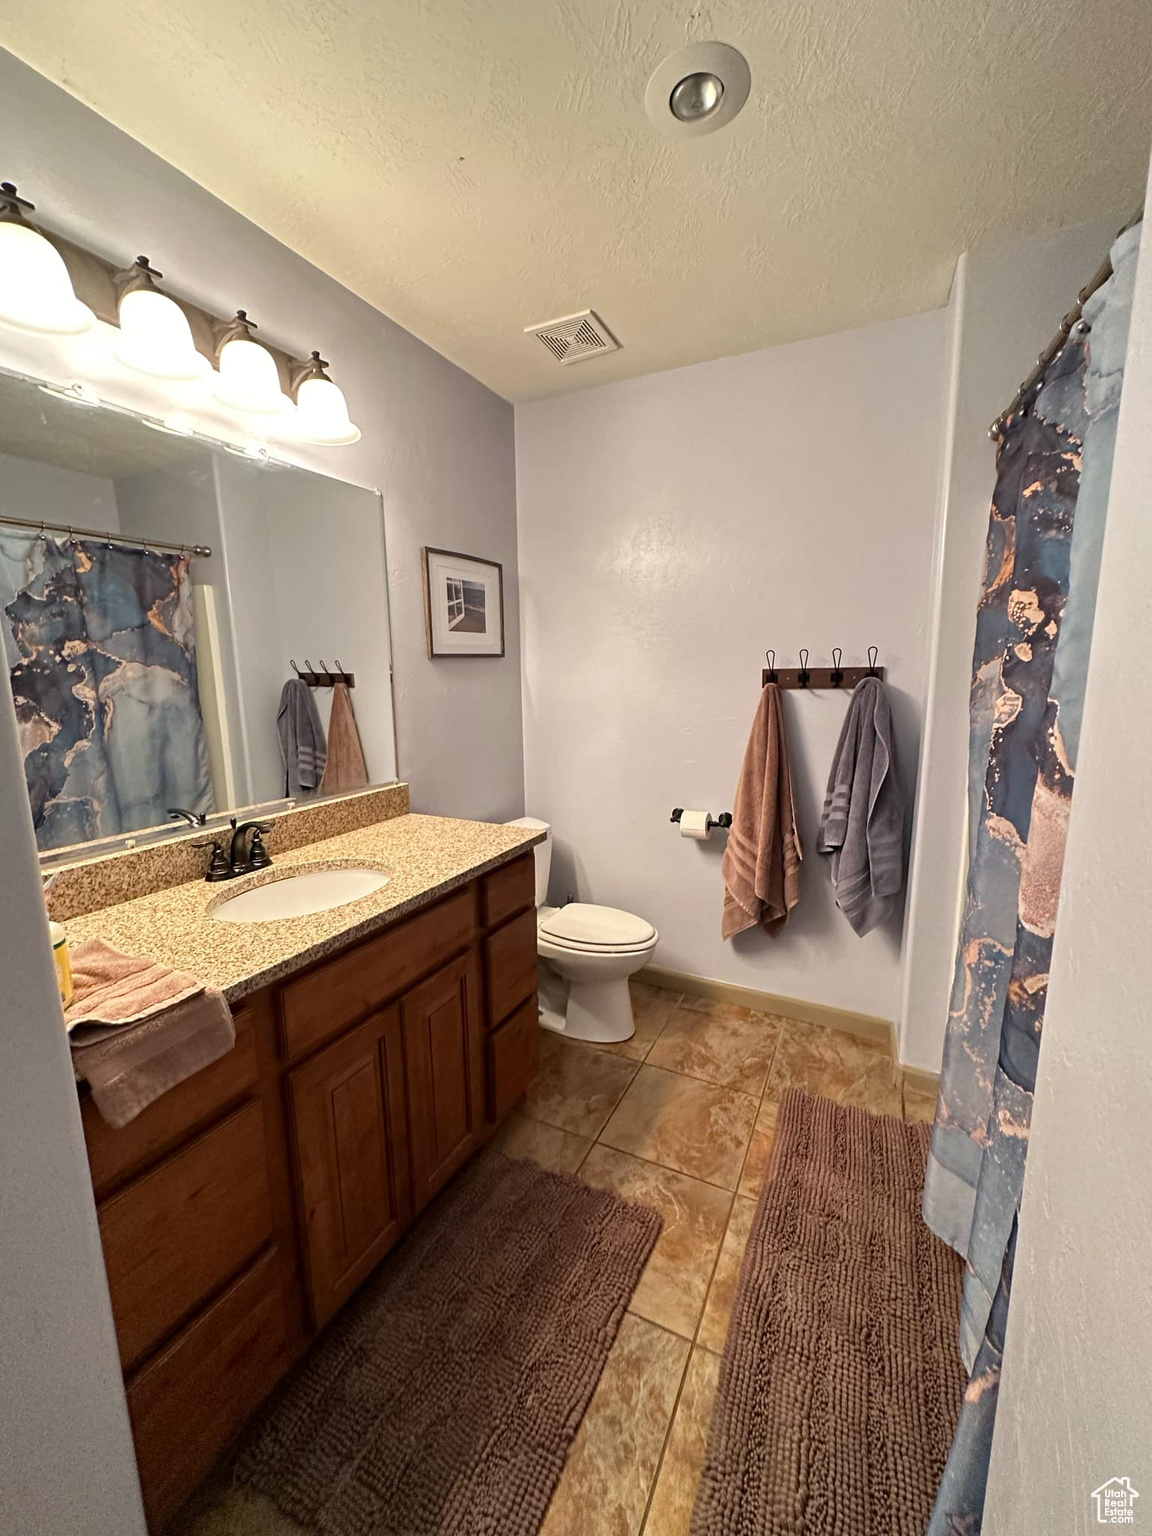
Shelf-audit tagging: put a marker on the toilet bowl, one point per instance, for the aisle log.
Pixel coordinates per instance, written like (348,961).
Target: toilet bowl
(593,950)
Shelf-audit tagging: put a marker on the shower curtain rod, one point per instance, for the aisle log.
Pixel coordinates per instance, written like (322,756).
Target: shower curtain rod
(104,535)
(1103,273)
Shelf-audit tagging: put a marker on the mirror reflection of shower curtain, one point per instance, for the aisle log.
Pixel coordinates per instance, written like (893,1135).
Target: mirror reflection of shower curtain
(100,647)
(1033,638)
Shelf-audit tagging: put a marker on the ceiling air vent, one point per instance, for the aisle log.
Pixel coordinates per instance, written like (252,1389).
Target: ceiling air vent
(574,337)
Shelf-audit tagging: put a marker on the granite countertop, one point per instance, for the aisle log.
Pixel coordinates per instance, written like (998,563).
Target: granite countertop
(425,856)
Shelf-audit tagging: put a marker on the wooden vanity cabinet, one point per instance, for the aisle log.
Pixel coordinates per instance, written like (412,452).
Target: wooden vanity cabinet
(242,1209)
(350,1125)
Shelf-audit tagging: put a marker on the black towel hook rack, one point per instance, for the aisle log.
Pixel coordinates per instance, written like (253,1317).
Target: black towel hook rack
(323,678)
(835,676)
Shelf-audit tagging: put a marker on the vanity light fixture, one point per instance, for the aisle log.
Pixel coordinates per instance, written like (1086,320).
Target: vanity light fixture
(35,290)
(155,337)
(321,409)
(249,378)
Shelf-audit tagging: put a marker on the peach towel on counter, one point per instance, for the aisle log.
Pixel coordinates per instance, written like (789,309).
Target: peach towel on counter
(345,769)
(137,1028)
(761,866)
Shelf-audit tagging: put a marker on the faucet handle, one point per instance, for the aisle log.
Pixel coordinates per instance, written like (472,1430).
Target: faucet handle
(258,855)
(218,866)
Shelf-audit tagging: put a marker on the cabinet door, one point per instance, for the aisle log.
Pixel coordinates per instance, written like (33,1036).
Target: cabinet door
(443,1039)
(352,1155)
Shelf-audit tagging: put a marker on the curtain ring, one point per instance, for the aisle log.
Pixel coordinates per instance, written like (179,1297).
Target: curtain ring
(803,668)
(873,652)
(770,658)
(837,672)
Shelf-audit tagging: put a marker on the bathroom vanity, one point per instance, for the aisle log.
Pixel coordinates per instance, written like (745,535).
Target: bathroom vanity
(242,1209)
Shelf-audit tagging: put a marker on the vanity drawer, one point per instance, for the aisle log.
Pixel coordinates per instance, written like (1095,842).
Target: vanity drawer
(339,993)
(513,1059)
(178,1233)
(188,1403)
(114,1155)
(511,966)
(507,891)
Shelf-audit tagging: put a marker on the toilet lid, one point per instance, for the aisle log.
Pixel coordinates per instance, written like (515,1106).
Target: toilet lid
(591,927)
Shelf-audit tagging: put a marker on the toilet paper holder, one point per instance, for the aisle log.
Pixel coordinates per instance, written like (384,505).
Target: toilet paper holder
(723,820)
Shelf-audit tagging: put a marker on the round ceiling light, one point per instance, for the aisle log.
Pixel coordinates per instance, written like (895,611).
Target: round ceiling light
(698,89)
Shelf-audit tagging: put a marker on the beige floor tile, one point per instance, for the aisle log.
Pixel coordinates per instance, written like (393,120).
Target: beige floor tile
(694,1127)
(718,1309)
(546,1145)
(652,1007)
(578,1086)
(670,1513)
(604,1488)
(836,1065)
(759,1153)
(919,1107)
(674,1285)
(719,1042)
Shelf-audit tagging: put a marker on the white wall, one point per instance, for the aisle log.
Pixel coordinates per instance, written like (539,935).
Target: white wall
(437,444)
(33,490)
(672,528)
(1005,305)
(1075,1406)
(66,1462)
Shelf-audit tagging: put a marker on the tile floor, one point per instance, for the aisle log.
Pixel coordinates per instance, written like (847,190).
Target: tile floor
(680,1117)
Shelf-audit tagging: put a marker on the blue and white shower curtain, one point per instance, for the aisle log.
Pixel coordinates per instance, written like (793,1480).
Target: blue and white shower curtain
(1033,637)
(100,648)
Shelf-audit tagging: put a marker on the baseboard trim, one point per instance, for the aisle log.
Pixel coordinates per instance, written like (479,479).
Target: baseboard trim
(920,1080)
(864,1026)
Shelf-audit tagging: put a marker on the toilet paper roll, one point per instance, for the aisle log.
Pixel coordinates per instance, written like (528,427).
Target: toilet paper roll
(695,824)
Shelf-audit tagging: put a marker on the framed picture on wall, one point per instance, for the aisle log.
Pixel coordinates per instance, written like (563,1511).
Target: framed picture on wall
(463,604)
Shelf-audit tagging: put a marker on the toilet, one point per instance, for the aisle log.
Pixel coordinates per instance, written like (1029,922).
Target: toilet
(591,951)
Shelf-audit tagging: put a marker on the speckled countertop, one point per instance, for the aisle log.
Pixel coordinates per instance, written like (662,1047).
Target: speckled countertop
(425,856)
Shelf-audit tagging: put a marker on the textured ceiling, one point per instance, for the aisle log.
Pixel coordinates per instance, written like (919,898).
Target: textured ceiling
(472,168)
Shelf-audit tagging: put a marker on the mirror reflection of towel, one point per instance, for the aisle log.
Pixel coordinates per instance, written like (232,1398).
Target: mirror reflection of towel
(346,769)
(301,739)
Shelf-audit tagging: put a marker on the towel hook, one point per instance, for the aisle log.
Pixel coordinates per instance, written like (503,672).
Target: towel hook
(803,679)
(770,658)
(873,653)
(307,665)
(294,667)
(339,668)
(837,670)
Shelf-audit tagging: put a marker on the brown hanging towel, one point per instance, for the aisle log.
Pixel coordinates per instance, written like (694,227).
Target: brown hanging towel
(345,769)
(761,866)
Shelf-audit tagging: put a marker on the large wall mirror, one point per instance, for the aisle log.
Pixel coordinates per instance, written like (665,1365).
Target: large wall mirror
(147,677)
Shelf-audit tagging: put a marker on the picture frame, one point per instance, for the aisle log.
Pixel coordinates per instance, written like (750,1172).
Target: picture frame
(463,604)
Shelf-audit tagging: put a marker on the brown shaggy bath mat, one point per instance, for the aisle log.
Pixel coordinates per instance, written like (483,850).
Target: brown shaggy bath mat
(444,1400)
(841,1382)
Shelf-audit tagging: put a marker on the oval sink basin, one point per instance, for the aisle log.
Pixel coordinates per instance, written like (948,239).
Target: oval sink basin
(313,890)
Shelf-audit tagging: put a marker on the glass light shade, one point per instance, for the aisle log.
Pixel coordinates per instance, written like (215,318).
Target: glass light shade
(35,289)
(155,337)
(322,413)
(249,379)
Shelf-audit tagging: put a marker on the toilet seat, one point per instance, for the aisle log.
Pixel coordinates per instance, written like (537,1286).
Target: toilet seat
(585,928)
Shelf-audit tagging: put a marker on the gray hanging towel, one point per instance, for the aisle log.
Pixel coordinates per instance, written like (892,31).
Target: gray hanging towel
(863,822)
(302,744)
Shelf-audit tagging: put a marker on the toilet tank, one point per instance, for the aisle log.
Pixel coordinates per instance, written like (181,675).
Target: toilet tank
(542,852)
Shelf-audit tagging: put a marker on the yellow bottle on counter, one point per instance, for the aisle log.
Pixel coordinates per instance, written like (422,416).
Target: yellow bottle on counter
(63,963)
